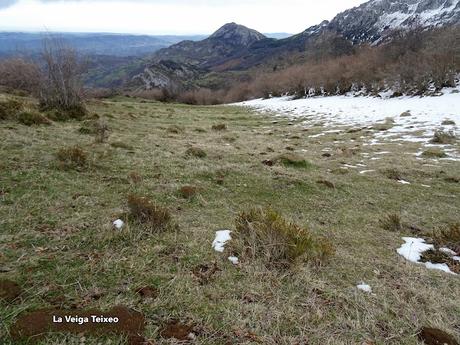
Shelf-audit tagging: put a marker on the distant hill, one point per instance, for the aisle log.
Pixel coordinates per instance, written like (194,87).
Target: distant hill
(119,45)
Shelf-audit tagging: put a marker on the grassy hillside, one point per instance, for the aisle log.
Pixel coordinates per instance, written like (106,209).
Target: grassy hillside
(58,243)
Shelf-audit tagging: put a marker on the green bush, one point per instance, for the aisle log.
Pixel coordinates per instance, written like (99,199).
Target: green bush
(72,157)
(264,234)
(9,109)
(30,118)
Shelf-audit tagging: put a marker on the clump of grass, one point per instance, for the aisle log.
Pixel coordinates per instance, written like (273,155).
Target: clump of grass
(9,108)
(121,145)
(293,160)
(391,222)
(72,157)
(449,237)
(406,114)
(448,122)
(30,118)
(135,177)
(443,137)
(72,113)
(188,192)
(438,257)
(434,152)
(219,127)
(175,129)
(326,183)
(195,152)
(264,234)
(200,130)
(394,174)
(387,125)
(147,212)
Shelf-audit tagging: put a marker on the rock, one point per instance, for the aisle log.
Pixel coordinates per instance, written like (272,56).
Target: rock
(406,114)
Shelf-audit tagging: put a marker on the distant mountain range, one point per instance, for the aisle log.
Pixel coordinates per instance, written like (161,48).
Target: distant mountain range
(147,62)
(237,48)
(119,45)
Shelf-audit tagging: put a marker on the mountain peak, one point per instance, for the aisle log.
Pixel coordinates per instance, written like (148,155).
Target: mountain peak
(237,34)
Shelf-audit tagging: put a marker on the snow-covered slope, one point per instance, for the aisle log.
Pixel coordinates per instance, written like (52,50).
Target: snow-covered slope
(373,19)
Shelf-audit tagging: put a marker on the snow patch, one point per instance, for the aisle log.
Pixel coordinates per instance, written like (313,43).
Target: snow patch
(222,237)
(364,287)
(118,224)
(234,260)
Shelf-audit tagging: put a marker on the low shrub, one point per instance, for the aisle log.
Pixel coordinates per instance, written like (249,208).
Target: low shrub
(102,131)
(394,174)
(72,157)
(219,127)
(442,137)
(145,211)
(449,237)
(434,153)
(391,222)
(9,109)
(264,234)
(195,152)
(64,114)
(293,160)
(30,118)
(448,122)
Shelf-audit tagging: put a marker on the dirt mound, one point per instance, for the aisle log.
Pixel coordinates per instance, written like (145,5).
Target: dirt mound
(9,290)
(119,320)
(178,331)
(433,336)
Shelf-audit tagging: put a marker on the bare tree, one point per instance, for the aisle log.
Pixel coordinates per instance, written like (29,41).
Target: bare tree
(61,84)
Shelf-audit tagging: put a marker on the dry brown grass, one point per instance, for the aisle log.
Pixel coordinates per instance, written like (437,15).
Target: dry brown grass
(263,234)
(9,109)
(147,212)
(219,127)
(188,192)
(449,236)
(434,153)
(443,137)
(195,152)
(30,118)
(72,158)
(391,222)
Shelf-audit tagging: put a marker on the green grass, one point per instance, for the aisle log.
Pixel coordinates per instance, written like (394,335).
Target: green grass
(57,239)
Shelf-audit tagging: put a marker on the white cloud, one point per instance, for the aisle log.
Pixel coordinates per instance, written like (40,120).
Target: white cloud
(167,17)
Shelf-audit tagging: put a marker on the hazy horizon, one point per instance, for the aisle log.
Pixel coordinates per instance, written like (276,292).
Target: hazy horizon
(160,17)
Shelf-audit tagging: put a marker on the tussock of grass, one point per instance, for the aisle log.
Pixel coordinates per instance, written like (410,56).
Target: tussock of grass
(121,145)
(73,113)
(393,174)
(9,109)
(442,137)
(448,122)
(387,125)
(147,212)
(449,237)
(219,127)
(72,157)
(30,118)
(434,153)
(188,192)
(264,234)
(175,129)
(195,152)
(293,160)
(391,222)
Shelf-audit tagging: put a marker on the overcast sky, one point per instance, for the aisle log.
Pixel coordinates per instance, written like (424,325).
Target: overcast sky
(166,16)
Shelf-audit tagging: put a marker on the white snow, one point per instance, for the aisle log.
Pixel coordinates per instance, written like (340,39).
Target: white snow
(456,258)
(403,182)
(413,249)
(222,236)
(427,113)
(447,251)
(364,287)
(119,224)
(234,260)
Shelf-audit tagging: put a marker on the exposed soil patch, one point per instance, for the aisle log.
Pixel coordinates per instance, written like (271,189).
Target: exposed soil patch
(9,290)
(205,272)
(178,331)
(36,324)
(147,292)
(433,336)
(188,192)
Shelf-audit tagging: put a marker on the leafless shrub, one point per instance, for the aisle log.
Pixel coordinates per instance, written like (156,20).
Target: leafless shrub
(61,84)
(20,74)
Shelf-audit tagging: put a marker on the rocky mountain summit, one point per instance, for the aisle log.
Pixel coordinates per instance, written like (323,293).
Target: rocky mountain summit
(375,19)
